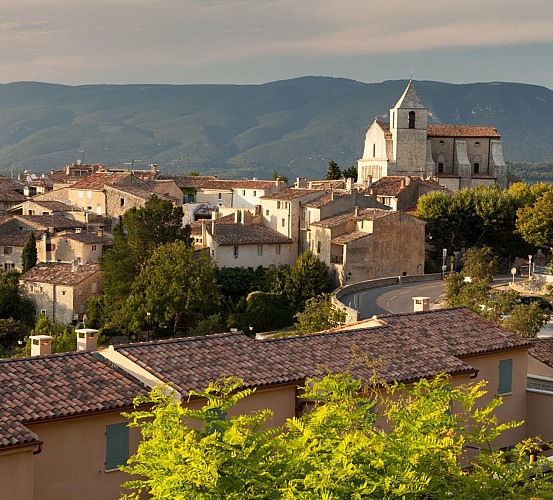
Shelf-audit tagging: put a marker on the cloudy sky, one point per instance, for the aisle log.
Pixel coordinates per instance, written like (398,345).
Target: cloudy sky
(258,41)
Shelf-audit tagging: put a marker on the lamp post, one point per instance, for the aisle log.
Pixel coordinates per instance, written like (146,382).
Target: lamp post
(455,255)
(444,265)
(529,266)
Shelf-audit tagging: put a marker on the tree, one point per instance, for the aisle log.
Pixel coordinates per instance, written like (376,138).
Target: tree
(320,314)
(265,312)
(29,255)
(11,331)
(282,177)
(535,222)
(207,326)
(350,173)
(12,304)
(480,264)
(526,320)
(338,449)
(64,338)
(307,278)
(334,172)
(174,289)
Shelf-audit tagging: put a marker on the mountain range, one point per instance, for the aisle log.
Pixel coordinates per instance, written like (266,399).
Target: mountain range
(293,126)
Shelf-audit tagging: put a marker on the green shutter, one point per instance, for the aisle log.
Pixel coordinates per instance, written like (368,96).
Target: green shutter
(117,445)
(505,376)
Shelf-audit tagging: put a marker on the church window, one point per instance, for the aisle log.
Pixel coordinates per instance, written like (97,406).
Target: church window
(393,119)
(411,119)
(441,143)
(477,144)
(440,168)
(477,168)
(374,150)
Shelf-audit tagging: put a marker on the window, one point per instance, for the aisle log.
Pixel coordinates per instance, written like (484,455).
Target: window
(411,119)
(117,445)
(374,150)
(477,168)
(441,143)
(94,287)
(266,212)
(94,248)
(259,249)
(277,249)
(243,192)
(8,250)
(235,253)
(283,223)
(318,247)
(80,194)
(89,194)
(40,289)
(440,168)
(505,376)
(89,208)
(122,202)
(393,119)
(219,195)
(278,204)
(477,144)
(63,292)
(8,266)
(255,193)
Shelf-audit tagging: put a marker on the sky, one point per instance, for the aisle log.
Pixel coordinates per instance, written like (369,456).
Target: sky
(78,42)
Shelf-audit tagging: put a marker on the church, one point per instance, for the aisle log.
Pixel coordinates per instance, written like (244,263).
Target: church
(457,156)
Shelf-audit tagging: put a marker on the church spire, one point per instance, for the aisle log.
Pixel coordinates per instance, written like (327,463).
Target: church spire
(410,99)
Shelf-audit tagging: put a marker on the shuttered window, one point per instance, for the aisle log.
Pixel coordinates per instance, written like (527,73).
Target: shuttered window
(117,445)
(505,376)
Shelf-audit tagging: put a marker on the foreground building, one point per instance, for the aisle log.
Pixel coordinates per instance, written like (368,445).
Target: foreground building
(62,436)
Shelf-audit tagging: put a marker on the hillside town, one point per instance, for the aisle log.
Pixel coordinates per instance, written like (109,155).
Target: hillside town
(127,280)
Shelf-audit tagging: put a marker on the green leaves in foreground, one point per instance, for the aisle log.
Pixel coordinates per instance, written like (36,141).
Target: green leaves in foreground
(353,441)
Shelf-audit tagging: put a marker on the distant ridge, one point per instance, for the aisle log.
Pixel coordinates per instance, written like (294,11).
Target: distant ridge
(293,126)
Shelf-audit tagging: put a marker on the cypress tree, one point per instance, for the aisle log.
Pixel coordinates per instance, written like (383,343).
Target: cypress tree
(29,255)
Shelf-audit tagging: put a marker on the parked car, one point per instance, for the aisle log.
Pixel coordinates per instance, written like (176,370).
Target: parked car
(530,299)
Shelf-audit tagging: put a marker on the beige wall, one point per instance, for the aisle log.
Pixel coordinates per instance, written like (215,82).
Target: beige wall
(88,199)
(71,465)
(248,256)
(214,197)
(16,474)
(114,208)
(68,249)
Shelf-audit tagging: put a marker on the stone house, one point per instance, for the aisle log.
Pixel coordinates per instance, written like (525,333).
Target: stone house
(9,194)
(60,290)
(44,207)
(369,243)
(61,433)
(459,156)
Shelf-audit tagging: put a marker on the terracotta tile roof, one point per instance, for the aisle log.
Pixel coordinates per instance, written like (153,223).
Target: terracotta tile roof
(56,206)
(388,186)
(136,191)
(8,191)
(542,350)
(98,180)
(325,199)
(433,185)
(17,238)
(59,273)
(89,237)
(39,388)
(385,126)
(349,237)
(327,184)
(438,130)
(408,347)
(58,222)
(246,234)
(291,194)
(363,214)
(211,182)
(196,226)
(445,175)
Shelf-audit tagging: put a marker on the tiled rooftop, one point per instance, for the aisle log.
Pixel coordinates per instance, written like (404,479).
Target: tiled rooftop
(542,350)
(196,226)
(391,185)
(407,348)
(435,130)
(99,180)
(35,389)
(246,234)
(58,222)
(211,182)
(89,237)
(325,199)
(8,191)
(55,206)
(349,237)
(363,214)
(17,238)
(59,273)
(291,194)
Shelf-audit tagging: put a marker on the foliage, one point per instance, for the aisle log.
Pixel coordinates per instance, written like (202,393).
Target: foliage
(96,312)
(320,314)
(209,325)
(350,173)
(176,288)
(11,331)
(265,312)
(29,254)
(64,338)
(237,282)
(535,222)
(12,304)
(526,319)
(334,172)
(480,264)
(282,177)
(338,449)
(307,278)
(472,295)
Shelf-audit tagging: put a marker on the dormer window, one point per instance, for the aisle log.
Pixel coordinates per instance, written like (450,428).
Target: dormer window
(411,119)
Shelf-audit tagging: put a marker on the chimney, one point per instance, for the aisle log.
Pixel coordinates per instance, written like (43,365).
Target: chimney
(407,180)
(349,184)
(214,215)
(100,232)
(421,304)
(74,266)
(213,227)
(52,171)
(331,194)
(51,230)
(78,230)
(87,339)
(301,182)
(356,211)
(246,217)
(204,237)
(41,345)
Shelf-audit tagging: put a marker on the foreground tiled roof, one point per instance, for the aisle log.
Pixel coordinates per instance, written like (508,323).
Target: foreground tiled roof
(542,350)
(363,214)
(408,347)
(292,194)
(59,273)
(40,388)
(246,234)
(435,130)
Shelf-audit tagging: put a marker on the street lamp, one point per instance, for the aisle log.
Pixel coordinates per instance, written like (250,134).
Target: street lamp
(444,266)
(529,266)
(455,255)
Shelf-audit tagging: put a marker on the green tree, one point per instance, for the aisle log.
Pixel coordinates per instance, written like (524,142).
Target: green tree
(334,172)
(535,222)
(282,177)
(11,331)
(480,264)
(175,287)
(336,450)
(64,338)
(320,314)
(12,303)
(265,312)
(307,278)
(96,312)
(207,326)
(350,173)
(526,320)
(29,255)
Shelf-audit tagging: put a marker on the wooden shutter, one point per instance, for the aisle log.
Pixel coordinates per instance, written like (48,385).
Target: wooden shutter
(505,376)
(117,445)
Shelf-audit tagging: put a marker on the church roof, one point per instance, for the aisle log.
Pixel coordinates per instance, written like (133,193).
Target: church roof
(438,130)
(410,99)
